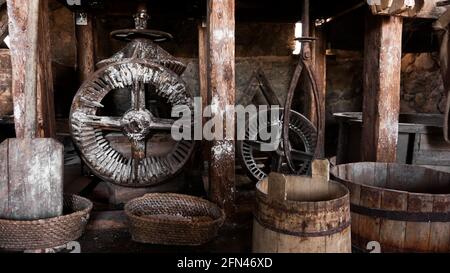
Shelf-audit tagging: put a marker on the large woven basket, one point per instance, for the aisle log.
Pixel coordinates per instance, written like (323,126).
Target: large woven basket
(47,233)
(173,219)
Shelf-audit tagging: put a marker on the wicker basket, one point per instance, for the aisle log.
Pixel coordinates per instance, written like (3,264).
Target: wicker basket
(173,219)
(47,233)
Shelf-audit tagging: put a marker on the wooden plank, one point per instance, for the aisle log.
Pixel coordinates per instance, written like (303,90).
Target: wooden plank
(417,236)
(392,233)
(221,83)
(369,227)
(321,169)
(440,232)
(264,240)
(18,14)
(85,48)
(381,106)
(31,188)
(276,189)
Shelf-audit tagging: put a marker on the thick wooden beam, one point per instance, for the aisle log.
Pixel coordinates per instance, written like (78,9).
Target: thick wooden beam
(17,16)
(427,9)
(85,48)
(221,84)
(320,67)
(381,106)
(204,94)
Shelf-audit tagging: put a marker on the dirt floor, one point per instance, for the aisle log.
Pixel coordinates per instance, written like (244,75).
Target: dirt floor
(231,239)
(107,231)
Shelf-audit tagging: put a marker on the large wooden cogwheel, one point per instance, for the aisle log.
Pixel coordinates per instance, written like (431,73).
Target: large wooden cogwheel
(141,167)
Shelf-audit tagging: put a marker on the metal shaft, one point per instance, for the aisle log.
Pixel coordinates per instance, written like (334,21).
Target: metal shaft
(305,19)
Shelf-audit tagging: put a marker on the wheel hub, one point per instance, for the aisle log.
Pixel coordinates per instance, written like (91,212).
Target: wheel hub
(136,124)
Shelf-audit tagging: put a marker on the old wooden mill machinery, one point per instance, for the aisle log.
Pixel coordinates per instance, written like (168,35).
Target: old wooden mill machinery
(149,75)
(136,149)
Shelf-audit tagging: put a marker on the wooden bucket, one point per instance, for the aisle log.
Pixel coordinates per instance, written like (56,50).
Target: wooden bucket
(301,215)
(403,208)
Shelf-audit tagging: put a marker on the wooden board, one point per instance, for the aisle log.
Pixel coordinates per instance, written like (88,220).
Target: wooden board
(30,184)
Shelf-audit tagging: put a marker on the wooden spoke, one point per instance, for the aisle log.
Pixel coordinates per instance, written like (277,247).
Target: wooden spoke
(138,154)
(105,123)
(301,155)
(162,124)
(138,148)
(138,95)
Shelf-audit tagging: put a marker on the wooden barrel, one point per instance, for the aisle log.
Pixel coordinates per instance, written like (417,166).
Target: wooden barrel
(6,101)
(404,208)
(301,215)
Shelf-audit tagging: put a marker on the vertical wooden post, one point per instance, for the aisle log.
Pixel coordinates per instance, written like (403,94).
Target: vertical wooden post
(203,73)
(381,106)
(18,15)
(221,84)
(203,63)
(85,49)
(320,68)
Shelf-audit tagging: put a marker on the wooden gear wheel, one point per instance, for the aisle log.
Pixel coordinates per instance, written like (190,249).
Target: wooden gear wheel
(140,167)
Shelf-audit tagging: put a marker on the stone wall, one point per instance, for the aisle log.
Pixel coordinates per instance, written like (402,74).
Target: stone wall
(278,70)
(422,86)
(421,83)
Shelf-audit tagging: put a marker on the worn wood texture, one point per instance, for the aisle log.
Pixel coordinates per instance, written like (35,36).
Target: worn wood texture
(427,9)
(3,21)
(31,187)
(18,14)
(320,67)
(276,189)
(402,193)
(313,218)
(204,92)
(321,169)
(30,184)
(85,49)
(6,102)
(221,84)
(381,105)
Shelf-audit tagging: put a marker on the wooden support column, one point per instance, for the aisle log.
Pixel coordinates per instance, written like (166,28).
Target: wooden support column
(320,67)
(221,84)
(85,48)
(18,15)
(203,73)
(381,106)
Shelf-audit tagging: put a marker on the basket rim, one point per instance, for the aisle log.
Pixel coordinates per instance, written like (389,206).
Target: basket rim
(220,220)
(78,213)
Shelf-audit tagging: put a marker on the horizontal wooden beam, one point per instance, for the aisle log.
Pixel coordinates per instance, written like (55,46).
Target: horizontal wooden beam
(429,9)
